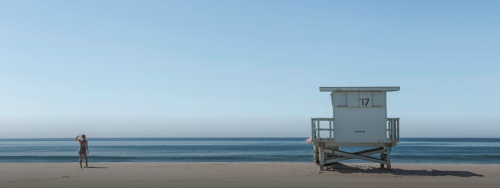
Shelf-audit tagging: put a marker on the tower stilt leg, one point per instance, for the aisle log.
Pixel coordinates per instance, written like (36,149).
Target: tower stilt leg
(382,157)
(315,155)
(321,158)
(389,158)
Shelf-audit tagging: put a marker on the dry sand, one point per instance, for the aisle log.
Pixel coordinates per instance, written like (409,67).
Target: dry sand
(301,175)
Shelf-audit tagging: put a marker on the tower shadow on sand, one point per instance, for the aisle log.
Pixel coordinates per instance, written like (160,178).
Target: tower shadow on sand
(351,169)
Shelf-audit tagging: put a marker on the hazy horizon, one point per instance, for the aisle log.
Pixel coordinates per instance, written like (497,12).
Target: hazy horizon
(71,138)
(243,68)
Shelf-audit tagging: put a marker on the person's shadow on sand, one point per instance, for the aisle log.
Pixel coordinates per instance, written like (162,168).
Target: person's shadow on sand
(98,167)
(345,169)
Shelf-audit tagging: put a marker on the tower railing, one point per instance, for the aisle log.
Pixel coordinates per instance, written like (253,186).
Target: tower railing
(392,126)
(316,130)
(323,129)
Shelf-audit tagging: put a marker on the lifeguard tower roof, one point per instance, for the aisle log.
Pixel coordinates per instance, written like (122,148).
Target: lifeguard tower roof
(381,88)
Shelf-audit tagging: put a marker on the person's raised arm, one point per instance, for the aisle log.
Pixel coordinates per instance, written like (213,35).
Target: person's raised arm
(76,138)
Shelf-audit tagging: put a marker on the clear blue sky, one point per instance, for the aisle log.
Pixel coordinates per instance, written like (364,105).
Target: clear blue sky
(243,68)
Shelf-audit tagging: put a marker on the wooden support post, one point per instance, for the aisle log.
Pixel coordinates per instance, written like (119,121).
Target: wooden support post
(382,158)
(321,158)
(317,147)
(321,154)
(316,153)
(388,158)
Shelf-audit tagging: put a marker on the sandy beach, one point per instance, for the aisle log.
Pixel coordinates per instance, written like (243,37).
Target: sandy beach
(245,175)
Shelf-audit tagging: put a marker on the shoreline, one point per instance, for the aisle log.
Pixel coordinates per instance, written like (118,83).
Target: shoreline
(257,162)
(245,174)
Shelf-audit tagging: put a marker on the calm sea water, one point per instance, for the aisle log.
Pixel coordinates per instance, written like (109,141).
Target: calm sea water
(409,150)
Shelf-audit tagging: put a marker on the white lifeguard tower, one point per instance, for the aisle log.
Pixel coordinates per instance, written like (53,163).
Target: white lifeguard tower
(359,120)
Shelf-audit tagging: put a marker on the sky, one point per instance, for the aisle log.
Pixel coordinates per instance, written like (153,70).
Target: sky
(243,68)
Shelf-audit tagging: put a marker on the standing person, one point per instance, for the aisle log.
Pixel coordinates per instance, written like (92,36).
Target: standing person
(84,149)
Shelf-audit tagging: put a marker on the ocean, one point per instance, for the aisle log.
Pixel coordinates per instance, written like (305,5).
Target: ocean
(409,150)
